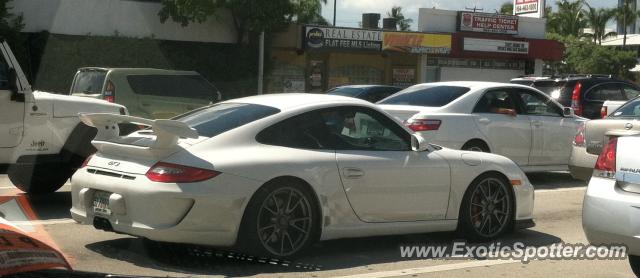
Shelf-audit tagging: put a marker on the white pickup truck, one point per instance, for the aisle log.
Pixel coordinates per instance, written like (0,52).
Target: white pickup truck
(42,141)
(609,106)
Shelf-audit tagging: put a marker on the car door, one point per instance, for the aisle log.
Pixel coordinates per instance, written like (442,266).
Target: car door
(384,180)
(552,133)
(508,132)
(12,109)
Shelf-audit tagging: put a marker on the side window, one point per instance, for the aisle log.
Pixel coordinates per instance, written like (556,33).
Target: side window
(356,128)
(605,92)
(496,102)
(4,74)
(538,105)
(630,92)
(305,131)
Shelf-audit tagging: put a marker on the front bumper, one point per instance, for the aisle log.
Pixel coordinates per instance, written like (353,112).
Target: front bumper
(581,163)
(205,213)
(611,215)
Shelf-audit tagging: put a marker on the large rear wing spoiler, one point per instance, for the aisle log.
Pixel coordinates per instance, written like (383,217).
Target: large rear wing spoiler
(167,132)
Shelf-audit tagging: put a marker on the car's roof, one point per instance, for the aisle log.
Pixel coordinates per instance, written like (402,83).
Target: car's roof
(474,85)
(366,86)
(294,100)
(139,71)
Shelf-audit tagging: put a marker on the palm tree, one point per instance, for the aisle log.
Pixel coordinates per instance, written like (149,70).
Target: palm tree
(597,19)
(403,23)
(309,12)
(627,16)
(570,18)
(506,8)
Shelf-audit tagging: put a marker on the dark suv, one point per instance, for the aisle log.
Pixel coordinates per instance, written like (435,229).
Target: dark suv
(584,93)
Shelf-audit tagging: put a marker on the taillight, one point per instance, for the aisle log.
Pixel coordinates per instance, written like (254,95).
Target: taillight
(86,161)
(606,164)
(579,139)
(110,92)
(603,112)
(576,98)
(174,173)
(423,124)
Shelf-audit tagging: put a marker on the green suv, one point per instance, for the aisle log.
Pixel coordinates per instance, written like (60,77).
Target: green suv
(147,93)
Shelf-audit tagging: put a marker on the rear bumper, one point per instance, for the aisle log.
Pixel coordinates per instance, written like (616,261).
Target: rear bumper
(206,213)
(611,215)
(581,163)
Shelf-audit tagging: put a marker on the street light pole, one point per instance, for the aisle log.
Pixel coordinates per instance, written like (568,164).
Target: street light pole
(334,11)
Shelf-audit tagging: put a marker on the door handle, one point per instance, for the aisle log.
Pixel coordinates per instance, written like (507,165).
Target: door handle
(353,173)
(484,120)
(537,123)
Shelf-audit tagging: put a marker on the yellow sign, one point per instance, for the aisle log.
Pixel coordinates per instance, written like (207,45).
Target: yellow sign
(418,43)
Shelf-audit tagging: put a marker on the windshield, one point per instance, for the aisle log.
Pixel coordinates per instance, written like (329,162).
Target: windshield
(630,109)
(89,82)
(216,119)
(429,95)
(347,92)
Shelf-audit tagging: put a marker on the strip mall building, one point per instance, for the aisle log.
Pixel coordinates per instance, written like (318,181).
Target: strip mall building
(449,46)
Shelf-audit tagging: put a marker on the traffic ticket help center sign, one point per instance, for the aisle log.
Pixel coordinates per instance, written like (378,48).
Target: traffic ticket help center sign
(488,23)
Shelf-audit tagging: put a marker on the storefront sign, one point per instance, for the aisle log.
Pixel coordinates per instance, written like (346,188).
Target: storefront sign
(476,63)
(525,6)
(488,23)
(484,45)
(417,43)
(342,38)
(403,77)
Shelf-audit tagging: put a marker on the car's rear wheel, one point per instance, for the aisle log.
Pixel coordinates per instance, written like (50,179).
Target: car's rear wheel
(476,146)
(634,262)
(487,208)
(280,221)
(39,178)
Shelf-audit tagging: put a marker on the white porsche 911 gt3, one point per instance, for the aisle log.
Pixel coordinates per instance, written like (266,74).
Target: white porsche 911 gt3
(272,174)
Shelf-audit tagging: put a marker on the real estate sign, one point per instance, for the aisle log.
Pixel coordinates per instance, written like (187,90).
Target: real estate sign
(317,37)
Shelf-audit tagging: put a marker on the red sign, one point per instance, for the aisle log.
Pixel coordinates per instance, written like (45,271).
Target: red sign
(488,23)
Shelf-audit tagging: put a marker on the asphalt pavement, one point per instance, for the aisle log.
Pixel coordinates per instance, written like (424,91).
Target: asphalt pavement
(557,214)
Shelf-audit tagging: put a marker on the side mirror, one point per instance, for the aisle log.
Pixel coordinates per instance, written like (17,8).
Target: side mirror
(568,112)
(418,144)
(12,79)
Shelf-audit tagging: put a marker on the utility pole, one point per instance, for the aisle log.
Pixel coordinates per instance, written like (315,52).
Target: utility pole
(261,64)
(474,9)
(334,11)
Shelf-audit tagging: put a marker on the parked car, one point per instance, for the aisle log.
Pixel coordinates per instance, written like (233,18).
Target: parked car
(513,120)
(610,207)
(595,134)
(370,93)
(584,93)
(268,172)
(42,141)
(149,93)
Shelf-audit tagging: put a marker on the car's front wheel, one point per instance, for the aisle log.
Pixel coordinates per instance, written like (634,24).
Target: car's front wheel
(634,262)
(39,178)
(487,208)
(281,220)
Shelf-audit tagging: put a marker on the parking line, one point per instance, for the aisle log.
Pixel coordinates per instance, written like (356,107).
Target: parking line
(562,189)
(431,269)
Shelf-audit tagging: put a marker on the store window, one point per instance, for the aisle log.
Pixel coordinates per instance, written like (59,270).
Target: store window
(355,75)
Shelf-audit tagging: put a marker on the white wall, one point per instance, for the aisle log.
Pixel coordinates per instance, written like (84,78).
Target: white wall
(124,17)
(469,74)
(445,21)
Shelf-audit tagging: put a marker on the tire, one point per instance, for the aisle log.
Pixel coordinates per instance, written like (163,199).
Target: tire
(634,262)
(273,231)
(40,178)
(487,209)
(476,146)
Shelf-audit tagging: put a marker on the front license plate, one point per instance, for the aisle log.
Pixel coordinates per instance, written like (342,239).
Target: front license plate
(101,203)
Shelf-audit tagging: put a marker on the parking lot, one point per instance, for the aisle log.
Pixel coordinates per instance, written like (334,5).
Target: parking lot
(557,213)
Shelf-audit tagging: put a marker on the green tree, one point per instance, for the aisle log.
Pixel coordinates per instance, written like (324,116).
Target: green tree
(10,23)
(597,19)
(569,20)
(404,24)
(626,15)
(249,16)
(507,8)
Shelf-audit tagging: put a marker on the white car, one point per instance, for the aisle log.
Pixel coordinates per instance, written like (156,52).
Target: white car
(512,120)
(42,141)
(610,212)
(271,174)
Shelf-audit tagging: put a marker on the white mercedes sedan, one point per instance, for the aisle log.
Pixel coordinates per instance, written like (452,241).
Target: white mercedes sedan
(271,174)
(516,121)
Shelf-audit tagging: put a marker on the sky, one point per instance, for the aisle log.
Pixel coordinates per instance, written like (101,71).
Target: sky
(350,11)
